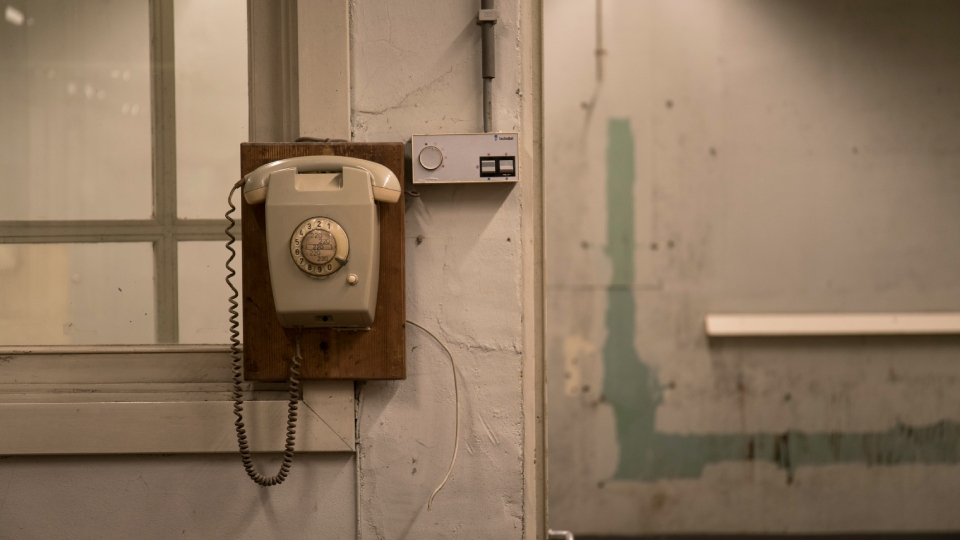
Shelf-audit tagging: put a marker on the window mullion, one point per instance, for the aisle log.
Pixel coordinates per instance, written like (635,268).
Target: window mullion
(77,231)
(163,101)
(205,229)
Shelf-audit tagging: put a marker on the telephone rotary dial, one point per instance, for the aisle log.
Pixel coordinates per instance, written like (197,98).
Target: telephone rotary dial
(320,246)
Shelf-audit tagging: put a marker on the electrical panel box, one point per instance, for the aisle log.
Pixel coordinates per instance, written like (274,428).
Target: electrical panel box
(465,157)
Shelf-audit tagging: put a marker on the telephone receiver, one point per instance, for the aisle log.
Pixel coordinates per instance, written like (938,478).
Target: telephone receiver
(323,236)
(386,186)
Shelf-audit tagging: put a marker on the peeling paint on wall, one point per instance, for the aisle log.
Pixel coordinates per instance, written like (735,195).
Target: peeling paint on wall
(631,388)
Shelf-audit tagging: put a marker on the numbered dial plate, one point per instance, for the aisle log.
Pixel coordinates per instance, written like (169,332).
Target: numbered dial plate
(319,246)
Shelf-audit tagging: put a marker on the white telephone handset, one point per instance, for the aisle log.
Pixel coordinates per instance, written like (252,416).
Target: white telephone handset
(386,186)
(323,236)
(323,249)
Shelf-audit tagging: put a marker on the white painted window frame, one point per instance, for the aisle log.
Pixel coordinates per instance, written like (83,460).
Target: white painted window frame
(176,398)
(154,399)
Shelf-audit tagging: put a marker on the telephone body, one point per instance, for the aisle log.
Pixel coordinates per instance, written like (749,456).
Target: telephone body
(323,236)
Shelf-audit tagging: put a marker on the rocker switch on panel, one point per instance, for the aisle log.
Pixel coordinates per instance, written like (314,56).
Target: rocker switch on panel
(488,166)
(506,166)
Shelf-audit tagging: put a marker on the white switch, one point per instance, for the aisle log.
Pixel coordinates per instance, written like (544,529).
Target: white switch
(488,166)
(506,166)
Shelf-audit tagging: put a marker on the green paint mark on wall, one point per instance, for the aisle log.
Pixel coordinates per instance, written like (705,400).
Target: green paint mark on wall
(632,390)
(629,385)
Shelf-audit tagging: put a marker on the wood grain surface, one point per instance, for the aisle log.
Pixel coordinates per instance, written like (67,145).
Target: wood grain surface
(378,353)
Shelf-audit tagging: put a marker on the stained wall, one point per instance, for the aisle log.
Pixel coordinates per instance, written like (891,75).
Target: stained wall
(752,157)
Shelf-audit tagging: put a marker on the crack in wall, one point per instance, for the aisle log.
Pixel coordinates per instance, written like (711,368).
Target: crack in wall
(408,95)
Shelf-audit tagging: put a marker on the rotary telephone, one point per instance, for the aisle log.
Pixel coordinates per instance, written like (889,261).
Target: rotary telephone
(323,236)
(323,251)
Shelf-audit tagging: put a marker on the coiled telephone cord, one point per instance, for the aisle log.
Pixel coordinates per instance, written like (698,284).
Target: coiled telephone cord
(237,368)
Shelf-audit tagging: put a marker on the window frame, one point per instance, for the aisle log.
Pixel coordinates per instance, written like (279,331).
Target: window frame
(159,398)
(154,399)
(165,229)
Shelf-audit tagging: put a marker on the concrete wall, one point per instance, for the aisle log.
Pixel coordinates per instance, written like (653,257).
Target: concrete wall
(748,156)
(416,69)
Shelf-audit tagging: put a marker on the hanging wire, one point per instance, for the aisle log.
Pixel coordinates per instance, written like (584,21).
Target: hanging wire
(456,393)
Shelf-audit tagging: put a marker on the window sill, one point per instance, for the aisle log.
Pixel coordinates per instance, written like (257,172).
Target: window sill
(154,399)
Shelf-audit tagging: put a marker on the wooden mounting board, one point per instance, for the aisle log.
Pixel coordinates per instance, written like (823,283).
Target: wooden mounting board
(379,353)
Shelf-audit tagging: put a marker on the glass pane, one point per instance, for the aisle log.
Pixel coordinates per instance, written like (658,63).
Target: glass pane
(204,293)
(62,294)
(75,139)
(211,73)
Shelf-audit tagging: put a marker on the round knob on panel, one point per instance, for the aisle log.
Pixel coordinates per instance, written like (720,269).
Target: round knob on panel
(431,157)
(352,279)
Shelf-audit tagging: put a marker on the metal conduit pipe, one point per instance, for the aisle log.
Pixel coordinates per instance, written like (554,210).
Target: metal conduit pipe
(486,18)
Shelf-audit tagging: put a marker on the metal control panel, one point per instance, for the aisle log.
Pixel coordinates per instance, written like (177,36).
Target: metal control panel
(465,157)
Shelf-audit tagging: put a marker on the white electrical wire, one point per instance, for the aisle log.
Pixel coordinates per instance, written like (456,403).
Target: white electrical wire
(456,393)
